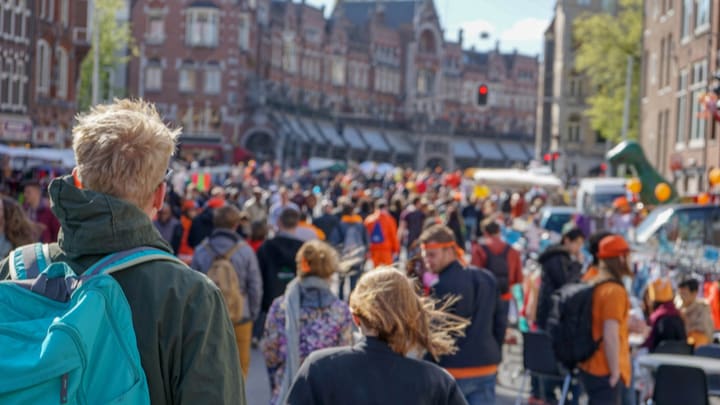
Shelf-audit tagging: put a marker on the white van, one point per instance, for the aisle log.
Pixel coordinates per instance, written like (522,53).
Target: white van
(596,194)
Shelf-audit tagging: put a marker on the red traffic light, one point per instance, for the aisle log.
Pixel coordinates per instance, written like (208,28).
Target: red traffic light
(556,156)
(547,157)
(483,90)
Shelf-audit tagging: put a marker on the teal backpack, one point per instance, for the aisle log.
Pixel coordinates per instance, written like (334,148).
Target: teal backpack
(69,339)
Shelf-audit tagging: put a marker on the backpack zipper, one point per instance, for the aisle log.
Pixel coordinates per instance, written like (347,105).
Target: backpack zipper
(64,388)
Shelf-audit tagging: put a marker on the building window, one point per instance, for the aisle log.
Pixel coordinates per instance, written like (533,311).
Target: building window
(15,83)
(65,13)
(289,54)
(574,133)
(187,79)
(5,72)
(62,72)
(608,6)
(697,126)
(43,67)
(338,72)
(156,29)
(213,77)
(153,77)
(687,10)
(244,32)
(203,27)
(682,107)
(702,16)
(668,58)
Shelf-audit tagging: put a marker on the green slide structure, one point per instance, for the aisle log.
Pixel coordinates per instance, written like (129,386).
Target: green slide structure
(631,154)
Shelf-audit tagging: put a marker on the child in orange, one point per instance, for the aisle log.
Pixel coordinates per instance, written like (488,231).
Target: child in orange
(382,230)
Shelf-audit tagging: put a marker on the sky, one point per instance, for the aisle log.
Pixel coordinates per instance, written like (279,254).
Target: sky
(517,24)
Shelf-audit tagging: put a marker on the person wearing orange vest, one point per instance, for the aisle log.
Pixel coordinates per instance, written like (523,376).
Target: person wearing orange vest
(382,231)
(189,210)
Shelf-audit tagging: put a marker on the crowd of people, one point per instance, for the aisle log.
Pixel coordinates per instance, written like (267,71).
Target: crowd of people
(403,277)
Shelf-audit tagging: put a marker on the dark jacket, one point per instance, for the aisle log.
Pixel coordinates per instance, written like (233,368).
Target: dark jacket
(184,335)
(558,269)
(666,323)
(202,226)
(479,302)
(327,223)
(244,261)
(276,258)
(371,374)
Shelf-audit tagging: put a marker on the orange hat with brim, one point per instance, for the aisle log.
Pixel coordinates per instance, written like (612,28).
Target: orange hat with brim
(613,246)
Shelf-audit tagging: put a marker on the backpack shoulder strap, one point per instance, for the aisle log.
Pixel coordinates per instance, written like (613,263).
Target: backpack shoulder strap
(486,249)
(229,254)
(129,258)
(27,262)
(506,250)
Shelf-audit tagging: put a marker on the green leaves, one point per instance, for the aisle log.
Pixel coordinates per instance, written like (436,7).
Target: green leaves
(605,41)
(116,48)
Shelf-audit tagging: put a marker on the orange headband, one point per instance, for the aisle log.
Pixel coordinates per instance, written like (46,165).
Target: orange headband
(443,245)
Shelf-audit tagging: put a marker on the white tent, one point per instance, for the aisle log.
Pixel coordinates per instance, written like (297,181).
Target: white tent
(515,178)
(23,157)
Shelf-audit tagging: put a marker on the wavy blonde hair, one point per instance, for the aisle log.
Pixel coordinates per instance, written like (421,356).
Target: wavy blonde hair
(386,302)
(123,149)
(321,257)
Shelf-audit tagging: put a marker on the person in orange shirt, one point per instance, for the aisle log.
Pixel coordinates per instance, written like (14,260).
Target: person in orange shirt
(189,211)
(382,230)
(606,375)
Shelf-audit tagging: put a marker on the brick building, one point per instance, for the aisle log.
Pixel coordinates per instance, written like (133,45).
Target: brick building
(15,56)
(376,80)
(562,125)
(680,42)
(60,42)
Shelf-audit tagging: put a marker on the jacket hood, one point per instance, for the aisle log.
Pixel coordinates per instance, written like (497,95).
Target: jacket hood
(93,223)
(222,240)
(551,252)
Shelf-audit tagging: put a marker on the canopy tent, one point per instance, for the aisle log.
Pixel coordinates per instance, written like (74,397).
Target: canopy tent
(320,164)
(514,178)
(23,157)
(379,168)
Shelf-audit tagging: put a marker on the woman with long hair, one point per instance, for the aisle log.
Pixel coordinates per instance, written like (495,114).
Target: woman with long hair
(306,318)
(15,228)
(396,322)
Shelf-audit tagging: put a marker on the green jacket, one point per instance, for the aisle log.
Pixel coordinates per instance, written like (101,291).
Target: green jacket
(185,337)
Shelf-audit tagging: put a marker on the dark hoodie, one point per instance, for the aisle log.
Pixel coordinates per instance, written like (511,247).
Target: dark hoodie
(184,334)
(276,258)
(666,323)
(558,269)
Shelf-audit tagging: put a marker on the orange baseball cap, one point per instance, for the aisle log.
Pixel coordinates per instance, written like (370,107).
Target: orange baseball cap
(613,246)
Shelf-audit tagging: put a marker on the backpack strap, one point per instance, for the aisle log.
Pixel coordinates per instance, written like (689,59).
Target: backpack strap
(227,255)
(27,262)
(128,258)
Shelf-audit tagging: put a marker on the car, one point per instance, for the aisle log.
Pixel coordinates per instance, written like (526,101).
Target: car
(554,219)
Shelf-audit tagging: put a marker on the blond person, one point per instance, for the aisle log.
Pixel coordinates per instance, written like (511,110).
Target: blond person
(184,335)
(306,318)
(395,322)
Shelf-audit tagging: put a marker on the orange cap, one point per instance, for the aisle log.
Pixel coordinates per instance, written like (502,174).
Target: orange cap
(613,246)
(660,290)
(620,202)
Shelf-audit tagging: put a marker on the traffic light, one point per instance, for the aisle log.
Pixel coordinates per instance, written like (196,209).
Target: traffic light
(482,94)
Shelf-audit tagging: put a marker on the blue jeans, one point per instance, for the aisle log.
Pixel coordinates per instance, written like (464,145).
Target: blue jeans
(478,390)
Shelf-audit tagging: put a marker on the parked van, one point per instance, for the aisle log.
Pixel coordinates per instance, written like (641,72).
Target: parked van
(680,222)
(598,193)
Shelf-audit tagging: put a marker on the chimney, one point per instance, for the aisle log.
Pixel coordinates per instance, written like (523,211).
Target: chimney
(461,34)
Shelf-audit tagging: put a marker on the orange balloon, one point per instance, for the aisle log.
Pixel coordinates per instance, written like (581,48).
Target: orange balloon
(663,192)
(703,199)
(714,176)
(634,185)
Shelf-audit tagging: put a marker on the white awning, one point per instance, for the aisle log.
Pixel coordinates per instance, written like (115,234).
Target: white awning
(463,150)
(312,131)
(354,138)
(375,140)
(295,129)
(488,150)
(514,151)
(400,143)
(330,133)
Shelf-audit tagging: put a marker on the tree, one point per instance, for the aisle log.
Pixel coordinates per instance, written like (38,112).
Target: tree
(604,43)
(116,47)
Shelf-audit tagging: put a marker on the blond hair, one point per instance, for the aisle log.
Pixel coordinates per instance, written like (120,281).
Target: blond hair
(386,302)
(123,149)
(320,257)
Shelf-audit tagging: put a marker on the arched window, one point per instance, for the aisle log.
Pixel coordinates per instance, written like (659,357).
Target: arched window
(62,73)
(427,42)
(42,66)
